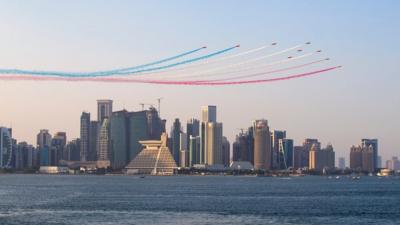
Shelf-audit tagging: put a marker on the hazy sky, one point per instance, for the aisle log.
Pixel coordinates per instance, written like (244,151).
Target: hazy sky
(360,100)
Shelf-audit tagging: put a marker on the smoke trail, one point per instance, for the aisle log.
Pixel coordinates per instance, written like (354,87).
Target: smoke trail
(59,73)
(161,82)
(103,74)
(156,62)
(204,74)
(198,74)
(269,72)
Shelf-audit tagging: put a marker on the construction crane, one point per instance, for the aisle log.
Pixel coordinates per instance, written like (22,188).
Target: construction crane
(143,104)
(159,106)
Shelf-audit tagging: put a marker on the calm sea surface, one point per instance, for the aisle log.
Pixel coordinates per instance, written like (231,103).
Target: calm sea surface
(63,199)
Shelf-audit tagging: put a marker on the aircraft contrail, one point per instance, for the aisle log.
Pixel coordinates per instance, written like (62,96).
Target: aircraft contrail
(162,82)
(103,74)
(198,74)
(205,74)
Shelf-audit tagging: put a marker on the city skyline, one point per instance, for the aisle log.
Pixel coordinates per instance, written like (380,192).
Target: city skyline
(95,145)
(344,111)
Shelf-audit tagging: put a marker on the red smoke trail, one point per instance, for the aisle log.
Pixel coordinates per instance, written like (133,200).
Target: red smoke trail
(203,83)
(265,73)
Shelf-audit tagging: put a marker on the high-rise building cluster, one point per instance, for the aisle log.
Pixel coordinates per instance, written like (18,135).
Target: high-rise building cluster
(138,141)
(272,150)
(364,157)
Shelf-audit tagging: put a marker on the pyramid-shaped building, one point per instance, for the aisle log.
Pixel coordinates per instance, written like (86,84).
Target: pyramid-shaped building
(154,159)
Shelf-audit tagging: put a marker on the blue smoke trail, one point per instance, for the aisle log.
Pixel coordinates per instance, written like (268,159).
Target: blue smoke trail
(59,73)
(108,73)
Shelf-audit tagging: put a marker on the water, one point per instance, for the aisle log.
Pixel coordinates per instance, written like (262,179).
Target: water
(48,199)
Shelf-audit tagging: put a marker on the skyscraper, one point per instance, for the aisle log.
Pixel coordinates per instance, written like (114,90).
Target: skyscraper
(262,145)
(214,143)
(192,128)
(5,147)
(44,138)
(84,136)
(57,147)
(138,130)
(374,144)
(243,147)
(356,157)
(104,140)
(175,133)
(104,109)
(305,154)
(73,150)
(155,126)
(342,163)
(194,150)
(208,115)
(119,143)
(285,153)
(93,140)
(368,159)
(393,164)
(321,158)
(183,150)
(226,152)
(277,160)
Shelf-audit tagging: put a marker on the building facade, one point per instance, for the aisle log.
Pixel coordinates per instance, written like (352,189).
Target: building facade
(262,145)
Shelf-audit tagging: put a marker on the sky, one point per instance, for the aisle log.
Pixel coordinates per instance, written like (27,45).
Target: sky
(361,100)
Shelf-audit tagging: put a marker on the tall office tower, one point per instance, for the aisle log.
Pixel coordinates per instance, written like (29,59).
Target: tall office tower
(93,140)
(21,156)
(356,157)
(104,109)
(32,156)
(285,150)
(104,141)
(365,143)
(214,143)
(138,131)
(243,147)
(226,152)
(321,158)
(362,158)
(194,150)
(368,159)
(183,150)
(192,128)
(300,157)
(277,161)
(175,134)
(43,138)
(307,144)
(262,145)
(73,150)
(379,163)
(208,115)
(84,135)
(342,163)
(155,126)
(57,147)
(393,164)
(6,147)
(119,143)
